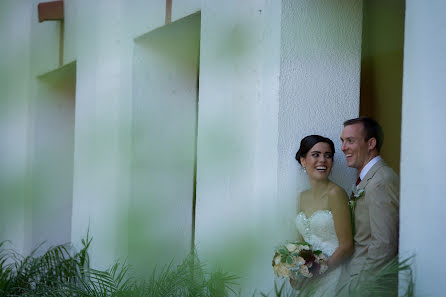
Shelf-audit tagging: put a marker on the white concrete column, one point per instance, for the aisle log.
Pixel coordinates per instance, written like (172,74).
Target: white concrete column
(423,207)
(15,40)
(237,137)
(100,170)
(165,99)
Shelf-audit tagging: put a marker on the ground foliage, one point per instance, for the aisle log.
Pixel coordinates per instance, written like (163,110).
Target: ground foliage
(58,272)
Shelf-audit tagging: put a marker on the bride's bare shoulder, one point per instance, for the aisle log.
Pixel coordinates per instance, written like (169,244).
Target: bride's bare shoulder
(303,197)
(337,192)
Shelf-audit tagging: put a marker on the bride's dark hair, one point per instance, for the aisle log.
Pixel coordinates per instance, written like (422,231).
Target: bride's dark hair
(308,142)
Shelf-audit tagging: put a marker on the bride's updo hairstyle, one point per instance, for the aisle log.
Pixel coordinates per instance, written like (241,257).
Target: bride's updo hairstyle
(308,142)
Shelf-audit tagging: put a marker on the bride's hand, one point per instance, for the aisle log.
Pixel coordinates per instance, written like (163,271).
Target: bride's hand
(296,284)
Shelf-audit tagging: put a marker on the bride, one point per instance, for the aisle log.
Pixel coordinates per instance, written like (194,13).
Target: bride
(323,217)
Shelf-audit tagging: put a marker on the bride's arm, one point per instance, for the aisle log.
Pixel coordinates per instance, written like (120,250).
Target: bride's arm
(337,201)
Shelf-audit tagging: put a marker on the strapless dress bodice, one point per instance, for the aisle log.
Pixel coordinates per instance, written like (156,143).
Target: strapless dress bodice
(318,230)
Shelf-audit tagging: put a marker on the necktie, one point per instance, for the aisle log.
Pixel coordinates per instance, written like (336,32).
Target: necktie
(352,195)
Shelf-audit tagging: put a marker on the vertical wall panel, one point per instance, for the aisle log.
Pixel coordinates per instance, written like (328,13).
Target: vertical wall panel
(319,87)
(165,93)
(52,158)
(423,207)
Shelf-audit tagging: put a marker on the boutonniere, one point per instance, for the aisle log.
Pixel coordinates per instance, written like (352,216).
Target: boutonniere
(356,194)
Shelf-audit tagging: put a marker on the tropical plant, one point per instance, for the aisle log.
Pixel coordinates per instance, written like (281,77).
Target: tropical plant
(384,281)
(57,273)
(36,275)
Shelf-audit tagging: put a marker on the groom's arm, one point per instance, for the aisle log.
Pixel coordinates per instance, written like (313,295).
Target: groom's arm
(384,220)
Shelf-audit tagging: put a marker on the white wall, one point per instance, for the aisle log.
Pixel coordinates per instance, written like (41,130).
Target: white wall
(250,125)
(180,9)
(271,72)
(237,132)
(165,102)
(52,137)
(104,50)
(15,50)
(45,43)
(423,206)
(99,202)
(319,90)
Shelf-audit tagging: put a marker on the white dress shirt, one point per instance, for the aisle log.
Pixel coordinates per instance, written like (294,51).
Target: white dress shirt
(368,166)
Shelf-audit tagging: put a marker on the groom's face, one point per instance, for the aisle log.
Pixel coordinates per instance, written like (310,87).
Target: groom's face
(354,146)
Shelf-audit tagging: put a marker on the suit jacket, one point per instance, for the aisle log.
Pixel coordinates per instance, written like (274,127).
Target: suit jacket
(376,220)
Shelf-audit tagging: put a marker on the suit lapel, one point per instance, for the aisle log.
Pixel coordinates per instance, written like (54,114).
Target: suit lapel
(370,174)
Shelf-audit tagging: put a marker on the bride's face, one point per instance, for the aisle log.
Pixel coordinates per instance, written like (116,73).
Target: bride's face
(318,161)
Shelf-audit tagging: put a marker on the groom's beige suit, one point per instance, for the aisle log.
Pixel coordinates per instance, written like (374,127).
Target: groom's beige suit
(376,220)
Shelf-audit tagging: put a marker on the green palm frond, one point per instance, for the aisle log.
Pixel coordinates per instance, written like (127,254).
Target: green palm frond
(383,281)
(221,283)
(44,275)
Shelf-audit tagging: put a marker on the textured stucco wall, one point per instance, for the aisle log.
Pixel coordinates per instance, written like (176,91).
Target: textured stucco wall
(319,88)
(423,206)
(52,137)
(105,33)
(180,9)
(70,29)
(15,51)
(250,123)
(165,99)
(44,43)
(237,137)
(99,36)
(270,73)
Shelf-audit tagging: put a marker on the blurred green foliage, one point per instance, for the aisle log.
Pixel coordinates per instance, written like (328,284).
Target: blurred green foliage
(61,272)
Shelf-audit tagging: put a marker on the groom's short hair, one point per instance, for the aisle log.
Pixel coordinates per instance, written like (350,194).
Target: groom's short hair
(372,129)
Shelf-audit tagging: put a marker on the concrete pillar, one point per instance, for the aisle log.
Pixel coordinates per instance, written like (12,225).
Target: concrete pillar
(100,171)
(423,206)
(165,103)
(237,137)
(15,26)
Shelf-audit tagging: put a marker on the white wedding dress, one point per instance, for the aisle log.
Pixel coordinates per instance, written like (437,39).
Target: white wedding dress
(319,231)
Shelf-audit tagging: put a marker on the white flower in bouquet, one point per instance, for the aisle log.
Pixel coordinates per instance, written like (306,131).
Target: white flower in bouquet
(291,247)
(305,246)
(282,270)
(305,271)
(300,261)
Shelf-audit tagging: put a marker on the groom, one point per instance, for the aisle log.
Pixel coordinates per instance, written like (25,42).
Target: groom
(376,206)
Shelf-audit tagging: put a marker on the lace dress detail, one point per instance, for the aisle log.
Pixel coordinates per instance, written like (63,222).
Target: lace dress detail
(319,231)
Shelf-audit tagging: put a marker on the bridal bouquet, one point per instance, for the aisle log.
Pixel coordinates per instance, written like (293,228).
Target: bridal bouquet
(297,259)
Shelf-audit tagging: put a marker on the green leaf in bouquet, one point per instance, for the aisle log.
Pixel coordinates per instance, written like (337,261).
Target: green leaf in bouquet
(289,260)
(317,252)
(283,260)
(284,251)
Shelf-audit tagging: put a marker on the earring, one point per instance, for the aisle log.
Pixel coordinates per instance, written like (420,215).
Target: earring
(305,170)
